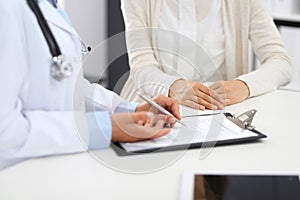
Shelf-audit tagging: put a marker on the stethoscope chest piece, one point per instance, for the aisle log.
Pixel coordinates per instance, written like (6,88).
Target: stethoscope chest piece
(60,69)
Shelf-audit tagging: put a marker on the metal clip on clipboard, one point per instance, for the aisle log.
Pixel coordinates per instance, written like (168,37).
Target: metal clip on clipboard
(244,120)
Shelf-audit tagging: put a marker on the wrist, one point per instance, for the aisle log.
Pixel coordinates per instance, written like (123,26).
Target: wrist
(100,129)
(115,129)
(176,86)
(245,87)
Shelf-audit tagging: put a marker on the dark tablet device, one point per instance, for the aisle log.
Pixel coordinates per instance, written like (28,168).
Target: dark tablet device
(246,187)
(210,186)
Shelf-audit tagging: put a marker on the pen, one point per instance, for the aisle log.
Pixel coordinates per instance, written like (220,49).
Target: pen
(158,107)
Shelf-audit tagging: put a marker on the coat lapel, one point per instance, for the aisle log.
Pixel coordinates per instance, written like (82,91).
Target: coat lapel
(54,17)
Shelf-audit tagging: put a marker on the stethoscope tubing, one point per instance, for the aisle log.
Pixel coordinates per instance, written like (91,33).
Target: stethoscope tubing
(49,37)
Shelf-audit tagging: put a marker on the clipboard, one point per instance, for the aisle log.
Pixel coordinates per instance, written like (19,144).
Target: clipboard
(243,121)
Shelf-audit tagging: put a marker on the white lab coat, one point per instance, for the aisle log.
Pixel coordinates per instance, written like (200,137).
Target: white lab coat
(39,115)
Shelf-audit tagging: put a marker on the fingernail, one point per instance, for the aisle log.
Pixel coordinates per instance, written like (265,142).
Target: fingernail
(172,120)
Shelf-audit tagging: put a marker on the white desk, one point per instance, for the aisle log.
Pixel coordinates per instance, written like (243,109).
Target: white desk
(80,176)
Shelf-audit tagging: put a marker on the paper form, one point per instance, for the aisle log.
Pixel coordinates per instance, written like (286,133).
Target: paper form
(199,129)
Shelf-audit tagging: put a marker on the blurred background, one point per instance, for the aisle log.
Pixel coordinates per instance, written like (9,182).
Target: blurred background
(97,20)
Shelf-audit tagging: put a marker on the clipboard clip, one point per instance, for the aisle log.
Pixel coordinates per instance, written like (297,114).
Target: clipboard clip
(244,120)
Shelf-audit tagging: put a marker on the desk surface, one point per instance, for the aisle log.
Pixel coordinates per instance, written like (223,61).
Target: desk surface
(84,176)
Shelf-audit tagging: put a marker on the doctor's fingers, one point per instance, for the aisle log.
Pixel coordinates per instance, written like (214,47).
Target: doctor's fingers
(129,127)
(135,132)
(167,119)
(149,119)
(153,132)
(122,120)
(170,104)
(140,117)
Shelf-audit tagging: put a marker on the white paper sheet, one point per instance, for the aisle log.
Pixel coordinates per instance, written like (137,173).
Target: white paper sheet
(198,129)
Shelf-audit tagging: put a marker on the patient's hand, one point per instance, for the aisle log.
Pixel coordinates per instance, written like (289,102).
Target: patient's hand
(195,95)
(234,91)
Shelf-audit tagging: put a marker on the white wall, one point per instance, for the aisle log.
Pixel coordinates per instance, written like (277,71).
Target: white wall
(284,6)
(289,10)
(89,19)
(291,38)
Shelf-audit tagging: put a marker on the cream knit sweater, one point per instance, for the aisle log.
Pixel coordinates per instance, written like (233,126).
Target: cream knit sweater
(243,20)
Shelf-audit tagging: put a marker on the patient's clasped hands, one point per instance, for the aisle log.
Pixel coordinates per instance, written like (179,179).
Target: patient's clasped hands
(214,97)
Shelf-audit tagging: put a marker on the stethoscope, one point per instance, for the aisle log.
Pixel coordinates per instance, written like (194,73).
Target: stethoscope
(60,68)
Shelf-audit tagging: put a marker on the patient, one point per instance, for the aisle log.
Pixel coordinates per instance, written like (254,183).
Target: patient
(197,51)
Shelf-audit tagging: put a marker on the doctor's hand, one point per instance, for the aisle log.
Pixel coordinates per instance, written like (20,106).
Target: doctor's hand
(139,126)
(195,95)
(169,104)
(234,91)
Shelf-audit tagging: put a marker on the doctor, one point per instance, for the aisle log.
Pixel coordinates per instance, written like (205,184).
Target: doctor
(43,112)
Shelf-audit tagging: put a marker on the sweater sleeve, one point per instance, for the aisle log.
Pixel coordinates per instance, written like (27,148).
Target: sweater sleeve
(146,71)
(276,69)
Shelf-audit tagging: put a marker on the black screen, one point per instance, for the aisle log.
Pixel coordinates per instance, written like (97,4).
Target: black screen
(233,187)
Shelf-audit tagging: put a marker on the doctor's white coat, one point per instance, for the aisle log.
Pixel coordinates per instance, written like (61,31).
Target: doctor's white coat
(39,115)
